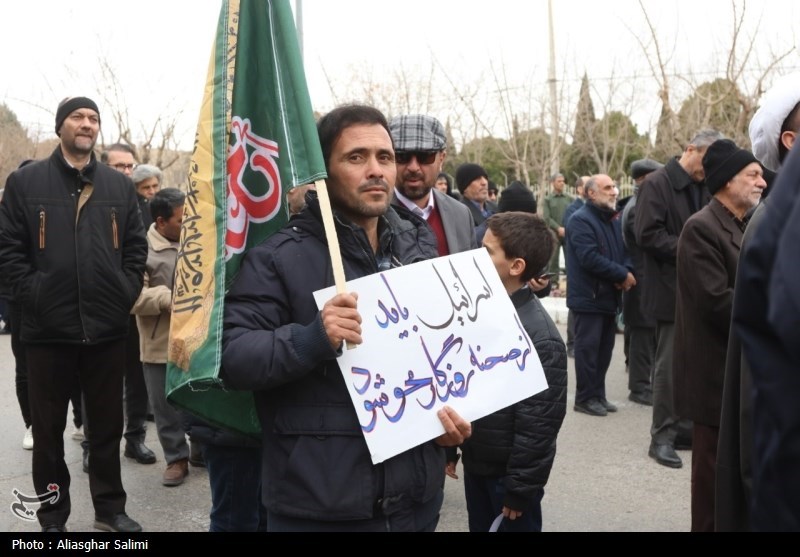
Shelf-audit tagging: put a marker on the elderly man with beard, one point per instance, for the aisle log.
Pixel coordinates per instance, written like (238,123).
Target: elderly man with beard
(708,252)
(420,151)
(599,271)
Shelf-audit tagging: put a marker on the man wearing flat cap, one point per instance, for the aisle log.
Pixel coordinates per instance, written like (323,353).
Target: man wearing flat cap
(708,252)
(73,249)
(420,148)
(640,327)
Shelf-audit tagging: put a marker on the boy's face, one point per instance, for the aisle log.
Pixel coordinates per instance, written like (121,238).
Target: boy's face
(501,262)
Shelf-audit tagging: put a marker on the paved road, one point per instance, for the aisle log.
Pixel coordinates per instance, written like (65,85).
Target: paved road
(602,480)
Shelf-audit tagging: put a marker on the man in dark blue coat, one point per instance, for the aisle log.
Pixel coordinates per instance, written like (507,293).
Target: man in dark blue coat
(599,271)
(317,473)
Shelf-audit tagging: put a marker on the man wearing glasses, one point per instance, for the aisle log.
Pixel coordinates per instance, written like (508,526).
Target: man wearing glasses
(420,149)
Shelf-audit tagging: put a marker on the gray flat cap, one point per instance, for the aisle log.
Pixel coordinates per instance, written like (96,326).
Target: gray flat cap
(417,132)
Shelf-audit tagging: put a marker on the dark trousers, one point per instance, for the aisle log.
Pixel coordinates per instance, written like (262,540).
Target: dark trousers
(666,424)
(136,398)
(421,517)
(704,476)
(135,387)
(21,371)
(570,330)
(485,495)
(641,358)
(53,370)
(595,334)
(234,475)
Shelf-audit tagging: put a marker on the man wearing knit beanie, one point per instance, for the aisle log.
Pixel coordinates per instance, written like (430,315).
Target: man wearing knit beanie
(473,183)
(707,256)
(77,268)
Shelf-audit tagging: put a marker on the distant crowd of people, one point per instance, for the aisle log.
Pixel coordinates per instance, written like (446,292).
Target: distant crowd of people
(697,262)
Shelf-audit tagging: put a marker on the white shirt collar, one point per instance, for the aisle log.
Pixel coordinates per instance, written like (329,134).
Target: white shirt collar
(424,212)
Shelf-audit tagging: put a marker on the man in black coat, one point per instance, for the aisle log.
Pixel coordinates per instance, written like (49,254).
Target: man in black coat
(667,199)
(640,328)
(73,249)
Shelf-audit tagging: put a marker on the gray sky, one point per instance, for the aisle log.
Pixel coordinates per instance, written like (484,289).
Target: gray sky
(159,49)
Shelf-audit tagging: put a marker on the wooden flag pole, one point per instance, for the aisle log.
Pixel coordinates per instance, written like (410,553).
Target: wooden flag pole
(333,241)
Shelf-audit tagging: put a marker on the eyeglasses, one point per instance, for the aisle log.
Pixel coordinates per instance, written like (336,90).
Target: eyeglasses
(423,157)
(120,166)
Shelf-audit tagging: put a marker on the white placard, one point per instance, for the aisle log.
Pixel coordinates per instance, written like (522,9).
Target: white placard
(440,332)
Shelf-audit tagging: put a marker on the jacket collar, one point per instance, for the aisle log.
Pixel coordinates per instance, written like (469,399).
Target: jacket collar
(678,177)
(86,174)
(157,241)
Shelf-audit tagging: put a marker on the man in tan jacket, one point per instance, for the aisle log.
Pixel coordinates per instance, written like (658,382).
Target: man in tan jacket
(152,311)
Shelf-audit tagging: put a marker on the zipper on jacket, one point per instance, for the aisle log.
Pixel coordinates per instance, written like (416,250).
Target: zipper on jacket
(42,227)
(114,229)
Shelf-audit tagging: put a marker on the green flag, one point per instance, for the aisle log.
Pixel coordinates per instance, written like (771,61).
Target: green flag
(256,139)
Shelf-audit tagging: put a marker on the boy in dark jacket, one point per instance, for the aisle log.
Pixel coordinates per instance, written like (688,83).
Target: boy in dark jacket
(507,460)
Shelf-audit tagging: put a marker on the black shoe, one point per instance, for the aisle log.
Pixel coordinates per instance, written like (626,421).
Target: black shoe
(137,450)
(85,461)
(645,398)
(608,406)
(665,455)
(593,407)
(118,523)
(54,528)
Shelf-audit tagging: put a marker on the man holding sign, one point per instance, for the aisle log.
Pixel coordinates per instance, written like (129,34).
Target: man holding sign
(317,470)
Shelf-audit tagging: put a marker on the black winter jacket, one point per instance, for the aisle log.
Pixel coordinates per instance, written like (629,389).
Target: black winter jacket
(596,260)
(73,250)
(518,443)
(316,462)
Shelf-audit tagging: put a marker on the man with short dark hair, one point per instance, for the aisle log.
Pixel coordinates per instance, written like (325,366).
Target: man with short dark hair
(553,209)
(73,248)
(420,151)
(153,314)
(666,200)
(317,471)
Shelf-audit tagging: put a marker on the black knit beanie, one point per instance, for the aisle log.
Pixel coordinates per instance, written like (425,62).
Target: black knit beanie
(724,160)
(468,173)
(71,104)
(517,197)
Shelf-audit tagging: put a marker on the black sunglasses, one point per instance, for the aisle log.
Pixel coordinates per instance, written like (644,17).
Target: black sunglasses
(423,157)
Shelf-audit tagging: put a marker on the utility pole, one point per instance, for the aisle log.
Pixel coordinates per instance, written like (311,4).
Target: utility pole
(551,80)
(298,17)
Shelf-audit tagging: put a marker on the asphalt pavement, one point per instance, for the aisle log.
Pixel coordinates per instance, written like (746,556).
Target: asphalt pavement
(602,478)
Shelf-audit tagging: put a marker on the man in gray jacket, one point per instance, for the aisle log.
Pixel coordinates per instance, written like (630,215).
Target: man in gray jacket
(420,150)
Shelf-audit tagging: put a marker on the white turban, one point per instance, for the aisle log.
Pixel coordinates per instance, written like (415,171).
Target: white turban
(765,127)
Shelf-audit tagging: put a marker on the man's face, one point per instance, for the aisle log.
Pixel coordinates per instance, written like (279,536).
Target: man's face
(558,184)
(477,190)
(79,131)
(122,161)
(415,176)
(745,189)
(171,228)
(605,193)
(693,162)
(441,185)
(362,172)
(148,188)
